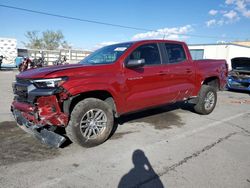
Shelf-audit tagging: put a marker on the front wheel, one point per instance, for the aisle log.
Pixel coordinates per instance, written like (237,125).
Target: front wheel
(207,99)
(91,122)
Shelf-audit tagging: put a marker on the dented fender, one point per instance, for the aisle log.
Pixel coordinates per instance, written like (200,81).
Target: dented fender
(50,112)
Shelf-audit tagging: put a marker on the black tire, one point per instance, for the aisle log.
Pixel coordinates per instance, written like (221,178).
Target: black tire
(81,113)
(202,107)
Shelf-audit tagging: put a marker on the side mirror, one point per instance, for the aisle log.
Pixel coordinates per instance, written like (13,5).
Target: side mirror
(135,63)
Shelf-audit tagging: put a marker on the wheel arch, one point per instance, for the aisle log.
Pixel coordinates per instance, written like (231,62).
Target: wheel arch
(212,81)
(68,105)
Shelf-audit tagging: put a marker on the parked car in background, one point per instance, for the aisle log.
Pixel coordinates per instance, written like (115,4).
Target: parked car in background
(18,61)
(115,80)
(239,76)
(7,62)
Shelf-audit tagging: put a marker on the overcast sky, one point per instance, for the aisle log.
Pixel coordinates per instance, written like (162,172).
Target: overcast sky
(200,21)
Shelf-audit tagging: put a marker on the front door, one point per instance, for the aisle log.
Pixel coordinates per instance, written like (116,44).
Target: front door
(144,85)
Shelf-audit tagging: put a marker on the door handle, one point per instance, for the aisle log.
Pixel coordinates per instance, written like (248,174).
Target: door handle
(188,71)
(162,73)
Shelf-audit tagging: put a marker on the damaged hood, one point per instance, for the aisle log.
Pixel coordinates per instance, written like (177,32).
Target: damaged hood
(42,72)
(241,64)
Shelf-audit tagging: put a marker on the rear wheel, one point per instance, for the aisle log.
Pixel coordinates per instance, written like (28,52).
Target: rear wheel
(91,122)
(206,100)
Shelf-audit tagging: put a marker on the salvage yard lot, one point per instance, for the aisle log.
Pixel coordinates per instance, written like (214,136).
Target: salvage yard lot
(169,146)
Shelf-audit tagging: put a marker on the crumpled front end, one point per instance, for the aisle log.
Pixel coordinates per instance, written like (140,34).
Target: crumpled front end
(40,132)
(38,111)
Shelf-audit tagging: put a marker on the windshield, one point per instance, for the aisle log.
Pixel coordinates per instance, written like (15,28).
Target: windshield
(106,55)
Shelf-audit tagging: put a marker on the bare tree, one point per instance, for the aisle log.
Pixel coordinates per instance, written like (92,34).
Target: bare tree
(49,40)
(34,41)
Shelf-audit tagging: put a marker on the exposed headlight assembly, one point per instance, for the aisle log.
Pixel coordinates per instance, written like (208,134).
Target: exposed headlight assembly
(49,83)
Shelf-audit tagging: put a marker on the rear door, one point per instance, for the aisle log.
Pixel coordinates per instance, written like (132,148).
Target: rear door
(181,72)
(144,85)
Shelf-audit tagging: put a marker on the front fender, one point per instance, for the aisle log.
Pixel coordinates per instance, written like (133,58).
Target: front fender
(114,91)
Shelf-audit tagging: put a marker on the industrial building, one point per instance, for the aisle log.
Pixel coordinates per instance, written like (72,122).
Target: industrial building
(225,51)
(8,49)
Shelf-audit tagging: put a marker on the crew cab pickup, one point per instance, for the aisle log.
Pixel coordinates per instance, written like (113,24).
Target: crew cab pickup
(115,80)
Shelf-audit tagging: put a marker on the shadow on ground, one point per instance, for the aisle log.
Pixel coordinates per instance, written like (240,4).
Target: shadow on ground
(142,174)
(164,117)
(161,118)
(9,69)
(239,91)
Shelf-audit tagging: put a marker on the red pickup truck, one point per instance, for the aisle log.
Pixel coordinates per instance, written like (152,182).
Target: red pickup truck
(118,79)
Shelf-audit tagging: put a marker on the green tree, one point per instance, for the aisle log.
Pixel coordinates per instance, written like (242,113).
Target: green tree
(49,40)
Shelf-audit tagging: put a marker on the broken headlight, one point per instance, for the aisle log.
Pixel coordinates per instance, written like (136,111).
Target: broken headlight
(49,83)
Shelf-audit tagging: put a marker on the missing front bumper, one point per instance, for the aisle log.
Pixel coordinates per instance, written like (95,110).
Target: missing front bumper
(50,138)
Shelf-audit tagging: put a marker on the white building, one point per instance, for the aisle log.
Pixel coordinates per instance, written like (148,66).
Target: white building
(8,49)
(225,51)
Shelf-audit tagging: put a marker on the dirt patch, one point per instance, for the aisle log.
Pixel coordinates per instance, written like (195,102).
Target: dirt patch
(18,146)
(160,118)
(75,165)
(164,120)
(120,135)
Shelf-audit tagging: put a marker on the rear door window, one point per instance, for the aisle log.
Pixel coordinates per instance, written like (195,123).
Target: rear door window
(175,53)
